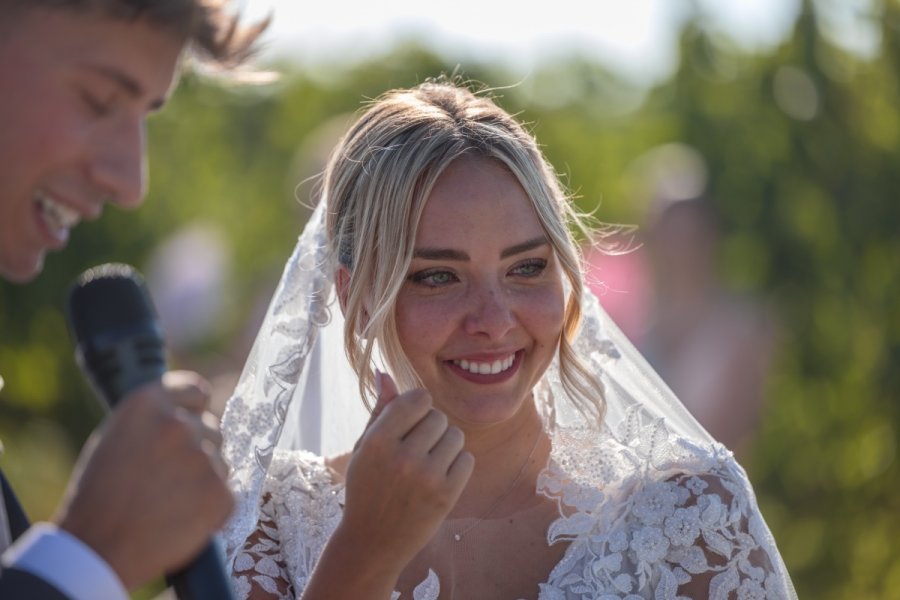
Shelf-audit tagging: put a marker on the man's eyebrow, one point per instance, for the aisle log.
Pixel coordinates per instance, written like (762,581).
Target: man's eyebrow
(128,83)
(451,254)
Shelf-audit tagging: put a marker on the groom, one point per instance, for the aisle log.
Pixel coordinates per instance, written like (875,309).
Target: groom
(78,79)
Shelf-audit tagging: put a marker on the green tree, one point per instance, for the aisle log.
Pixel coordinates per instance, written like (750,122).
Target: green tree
(801,144)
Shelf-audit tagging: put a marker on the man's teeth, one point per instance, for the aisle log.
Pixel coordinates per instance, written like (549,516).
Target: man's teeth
(486,368)
(58,215)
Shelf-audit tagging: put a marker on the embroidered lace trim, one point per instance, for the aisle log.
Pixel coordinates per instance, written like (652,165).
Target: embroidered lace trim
(671,521)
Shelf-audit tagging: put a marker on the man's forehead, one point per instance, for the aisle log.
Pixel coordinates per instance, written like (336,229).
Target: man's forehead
(176,17)
(137,55)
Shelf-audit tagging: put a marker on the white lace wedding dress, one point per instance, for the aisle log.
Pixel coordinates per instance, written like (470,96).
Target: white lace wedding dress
(648,503)
(669,513)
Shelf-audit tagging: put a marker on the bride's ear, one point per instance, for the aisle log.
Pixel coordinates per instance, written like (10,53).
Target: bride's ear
(342,286)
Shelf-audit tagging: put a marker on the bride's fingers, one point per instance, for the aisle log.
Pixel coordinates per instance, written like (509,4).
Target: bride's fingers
(401,416)
(398,418)
(448,447)
(459,472)
(426,433)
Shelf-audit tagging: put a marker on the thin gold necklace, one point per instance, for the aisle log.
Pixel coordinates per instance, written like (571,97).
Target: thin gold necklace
(458,536)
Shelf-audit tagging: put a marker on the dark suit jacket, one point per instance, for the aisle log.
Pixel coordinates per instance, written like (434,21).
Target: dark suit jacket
(19,585)
(18,521)
(15,584)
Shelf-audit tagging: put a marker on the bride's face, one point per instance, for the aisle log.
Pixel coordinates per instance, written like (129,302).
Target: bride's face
(481,312)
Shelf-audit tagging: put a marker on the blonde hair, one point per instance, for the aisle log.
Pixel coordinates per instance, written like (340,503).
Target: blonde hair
(377,182)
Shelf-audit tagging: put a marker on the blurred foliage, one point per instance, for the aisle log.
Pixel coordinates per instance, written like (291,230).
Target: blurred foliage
(802,149)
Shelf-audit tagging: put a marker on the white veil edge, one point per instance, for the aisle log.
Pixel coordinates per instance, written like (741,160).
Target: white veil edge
(298,391)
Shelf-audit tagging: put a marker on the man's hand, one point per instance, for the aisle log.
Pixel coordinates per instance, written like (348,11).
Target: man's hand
(149,488)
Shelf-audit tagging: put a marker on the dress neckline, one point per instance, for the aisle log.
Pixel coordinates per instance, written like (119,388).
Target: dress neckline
(430,586)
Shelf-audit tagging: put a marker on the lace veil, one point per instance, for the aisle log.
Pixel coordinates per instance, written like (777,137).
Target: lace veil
(298,391)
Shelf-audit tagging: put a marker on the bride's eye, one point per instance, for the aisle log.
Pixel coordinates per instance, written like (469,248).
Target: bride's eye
(432,278)
(532,267)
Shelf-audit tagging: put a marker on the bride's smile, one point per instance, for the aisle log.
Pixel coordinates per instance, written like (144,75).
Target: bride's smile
(487,370)
(481,312)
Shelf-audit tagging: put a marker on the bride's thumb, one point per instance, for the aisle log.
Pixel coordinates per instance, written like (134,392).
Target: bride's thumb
(385,391)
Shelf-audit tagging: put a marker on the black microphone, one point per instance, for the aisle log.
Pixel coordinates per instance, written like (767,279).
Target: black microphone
(119,346)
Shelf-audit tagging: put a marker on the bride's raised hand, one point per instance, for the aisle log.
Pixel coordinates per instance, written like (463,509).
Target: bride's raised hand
(405,474)
(407,471)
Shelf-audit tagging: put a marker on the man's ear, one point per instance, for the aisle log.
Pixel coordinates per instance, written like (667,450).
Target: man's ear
(342,285)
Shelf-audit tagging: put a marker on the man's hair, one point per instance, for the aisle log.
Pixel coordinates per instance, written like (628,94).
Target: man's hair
(211,32)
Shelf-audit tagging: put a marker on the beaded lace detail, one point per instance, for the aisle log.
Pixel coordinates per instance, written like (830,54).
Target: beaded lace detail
(670,522)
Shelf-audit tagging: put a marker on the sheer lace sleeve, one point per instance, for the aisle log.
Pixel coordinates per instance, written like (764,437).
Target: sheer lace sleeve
(259,567)
(683,526)
(300,509)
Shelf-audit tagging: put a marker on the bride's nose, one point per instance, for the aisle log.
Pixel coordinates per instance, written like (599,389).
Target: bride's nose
(489,313)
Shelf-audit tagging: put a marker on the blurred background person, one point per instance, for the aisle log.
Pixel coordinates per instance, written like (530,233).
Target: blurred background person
(712,346)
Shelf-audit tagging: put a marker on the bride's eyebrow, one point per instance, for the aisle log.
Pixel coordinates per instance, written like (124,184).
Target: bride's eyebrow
(524,246)
(459,255)
(440,254)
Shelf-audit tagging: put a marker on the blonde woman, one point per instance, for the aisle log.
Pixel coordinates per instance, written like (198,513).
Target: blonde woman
(517,447)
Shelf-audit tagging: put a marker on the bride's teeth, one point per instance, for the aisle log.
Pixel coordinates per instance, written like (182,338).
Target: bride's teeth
(498,366)
(58,215)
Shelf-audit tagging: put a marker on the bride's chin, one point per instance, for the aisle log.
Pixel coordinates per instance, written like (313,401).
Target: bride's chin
(480,413)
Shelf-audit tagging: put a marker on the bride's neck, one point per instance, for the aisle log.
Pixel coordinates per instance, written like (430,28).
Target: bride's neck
(498,443)
(508,459)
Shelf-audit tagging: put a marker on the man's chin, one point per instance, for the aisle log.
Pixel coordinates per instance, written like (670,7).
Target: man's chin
(22,273)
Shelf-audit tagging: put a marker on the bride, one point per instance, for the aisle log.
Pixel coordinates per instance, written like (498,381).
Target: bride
(517,446)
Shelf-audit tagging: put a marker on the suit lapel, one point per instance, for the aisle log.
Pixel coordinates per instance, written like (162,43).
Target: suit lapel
(18,521)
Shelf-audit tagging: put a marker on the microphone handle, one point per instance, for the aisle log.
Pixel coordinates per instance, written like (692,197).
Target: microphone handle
(117,367)
(204,578)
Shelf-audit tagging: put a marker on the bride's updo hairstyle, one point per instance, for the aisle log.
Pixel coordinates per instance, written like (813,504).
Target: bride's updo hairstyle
(376,184)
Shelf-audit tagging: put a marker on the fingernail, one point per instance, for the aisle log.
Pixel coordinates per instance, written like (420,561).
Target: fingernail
(378,384)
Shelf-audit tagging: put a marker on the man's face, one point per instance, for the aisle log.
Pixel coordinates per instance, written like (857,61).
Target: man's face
(75,91)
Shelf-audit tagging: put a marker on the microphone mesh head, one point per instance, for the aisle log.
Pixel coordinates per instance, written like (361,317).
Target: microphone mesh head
(109,298)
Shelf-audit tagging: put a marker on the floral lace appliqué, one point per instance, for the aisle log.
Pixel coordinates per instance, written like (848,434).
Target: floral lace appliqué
(679,525)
